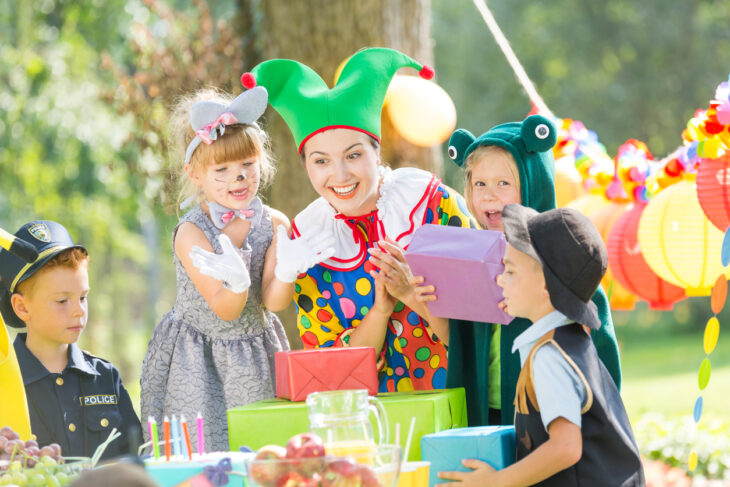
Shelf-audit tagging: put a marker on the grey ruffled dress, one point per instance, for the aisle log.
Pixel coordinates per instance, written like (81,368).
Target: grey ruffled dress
(199,363)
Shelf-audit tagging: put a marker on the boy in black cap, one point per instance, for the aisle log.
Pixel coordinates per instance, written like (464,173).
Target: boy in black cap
(570,424)
(74,399)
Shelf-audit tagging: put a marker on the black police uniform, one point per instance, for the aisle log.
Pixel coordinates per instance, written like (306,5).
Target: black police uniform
(79,407)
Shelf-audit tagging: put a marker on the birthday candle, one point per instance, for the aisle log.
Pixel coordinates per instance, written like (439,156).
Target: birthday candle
(181,437)
(199,430)
(174,426)
(186,434)
(152,424)
(166,432)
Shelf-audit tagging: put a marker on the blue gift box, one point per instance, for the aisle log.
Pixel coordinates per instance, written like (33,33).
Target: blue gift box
(446,449)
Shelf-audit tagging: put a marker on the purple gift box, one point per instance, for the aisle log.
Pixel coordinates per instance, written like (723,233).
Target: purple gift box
(463,264)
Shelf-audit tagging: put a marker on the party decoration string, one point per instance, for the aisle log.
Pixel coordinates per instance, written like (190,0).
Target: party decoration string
(712,332)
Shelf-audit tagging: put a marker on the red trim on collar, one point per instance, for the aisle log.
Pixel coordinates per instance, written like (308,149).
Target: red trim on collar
(360,257)
(427,195)
(331,127)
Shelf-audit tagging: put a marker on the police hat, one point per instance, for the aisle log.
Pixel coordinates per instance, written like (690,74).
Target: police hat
(49,239)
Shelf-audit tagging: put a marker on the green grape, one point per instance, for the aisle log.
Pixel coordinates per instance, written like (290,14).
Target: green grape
(6,479)
(36,479)
(19,478)
(63,478)
(47,461)
(52,481)
(15,466)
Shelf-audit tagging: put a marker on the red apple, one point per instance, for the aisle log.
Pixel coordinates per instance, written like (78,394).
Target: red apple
(265,470)
(294,479)
(305,445)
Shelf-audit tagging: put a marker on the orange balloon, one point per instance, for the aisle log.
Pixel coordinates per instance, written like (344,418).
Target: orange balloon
(719,294)
(420,110)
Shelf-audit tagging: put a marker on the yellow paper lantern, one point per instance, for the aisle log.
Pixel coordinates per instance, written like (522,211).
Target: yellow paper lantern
(568,181)
(420,110)
(618,296)
(589,203)
(14,409)
(678,241)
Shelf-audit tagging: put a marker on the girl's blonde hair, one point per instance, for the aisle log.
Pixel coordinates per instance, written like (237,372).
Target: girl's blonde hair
(477,155)
(238,142)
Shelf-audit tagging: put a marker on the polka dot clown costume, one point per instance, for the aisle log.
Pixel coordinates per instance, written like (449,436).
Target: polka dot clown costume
(333,297)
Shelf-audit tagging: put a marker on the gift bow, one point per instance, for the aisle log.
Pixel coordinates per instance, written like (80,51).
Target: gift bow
(209,133)
(216,474)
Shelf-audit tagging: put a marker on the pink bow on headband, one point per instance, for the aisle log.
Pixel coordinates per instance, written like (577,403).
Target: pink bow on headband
(204,134)
(229,215)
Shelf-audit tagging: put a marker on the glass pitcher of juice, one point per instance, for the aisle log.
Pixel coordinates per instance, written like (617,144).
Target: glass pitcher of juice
(341,419)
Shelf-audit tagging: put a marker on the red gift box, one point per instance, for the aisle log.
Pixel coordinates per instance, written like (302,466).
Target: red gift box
(301,372)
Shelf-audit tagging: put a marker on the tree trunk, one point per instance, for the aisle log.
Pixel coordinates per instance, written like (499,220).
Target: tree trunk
(321,34)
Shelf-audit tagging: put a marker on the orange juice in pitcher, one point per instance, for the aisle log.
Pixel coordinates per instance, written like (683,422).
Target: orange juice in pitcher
(341,419)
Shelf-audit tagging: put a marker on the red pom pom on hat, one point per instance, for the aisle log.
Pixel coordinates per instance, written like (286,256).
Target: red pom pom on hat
(248,81)
(426,72)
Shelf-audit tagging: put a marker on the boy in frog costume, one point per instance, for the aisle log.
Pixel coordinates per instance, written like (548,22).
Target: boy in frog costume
(480,354)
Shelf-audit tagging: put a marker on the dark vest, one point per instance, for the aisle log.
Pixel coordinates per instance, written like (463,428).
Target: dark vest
(610,455)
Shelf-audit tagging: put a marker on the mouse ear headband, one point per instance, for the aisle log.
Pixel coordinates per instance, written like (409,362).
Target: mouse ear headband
(209,119)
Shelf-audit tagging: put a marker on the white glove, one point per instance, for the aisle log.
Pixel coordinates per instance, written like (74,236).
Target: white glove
(294,257)
(229,266)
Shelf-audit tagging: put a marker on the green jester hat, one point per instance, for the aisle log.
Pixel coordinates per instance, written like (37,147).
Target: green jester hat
(309,106)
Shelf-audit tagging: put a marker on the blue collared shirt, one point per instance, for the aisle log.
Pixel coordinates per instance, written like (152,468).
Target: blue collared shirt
(559,390)
(78,407)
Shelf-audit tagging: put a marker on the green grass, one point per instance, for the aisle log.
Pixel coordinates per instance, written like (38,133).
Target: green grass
(660,373)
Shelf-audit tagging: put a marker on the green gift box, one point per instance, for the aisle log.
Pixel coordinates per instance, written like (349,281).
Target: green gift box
(274,421)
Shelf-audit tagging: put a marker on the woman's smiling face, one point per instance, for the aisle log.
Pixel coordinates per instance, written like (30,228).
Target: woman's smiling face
(342,166)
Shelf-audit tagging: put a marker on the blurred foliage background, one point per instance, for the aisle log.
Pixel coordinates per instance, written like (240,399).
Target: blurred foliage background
(85,86)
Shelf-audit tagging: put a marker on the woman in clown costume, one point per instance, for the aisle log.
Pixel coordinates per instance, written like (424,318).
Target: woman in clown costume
(361,295)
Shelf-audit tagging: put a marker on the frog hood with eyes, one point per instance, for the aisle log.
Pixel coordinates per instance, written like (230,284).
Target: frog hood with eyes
(530,143)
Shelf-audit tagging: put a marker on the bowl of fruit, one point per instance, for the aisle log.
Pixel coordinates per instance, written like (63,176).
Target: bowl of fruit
(304,462)
(25,463)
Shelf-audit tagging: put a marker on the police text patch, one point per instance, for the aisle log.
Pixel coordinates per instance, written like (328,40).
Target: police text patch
(98,400)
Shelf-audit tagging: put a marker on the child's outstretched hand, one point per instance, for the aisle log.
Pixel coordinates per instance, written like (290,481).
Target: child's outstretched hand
(294,257)
(480,476)
(229,266)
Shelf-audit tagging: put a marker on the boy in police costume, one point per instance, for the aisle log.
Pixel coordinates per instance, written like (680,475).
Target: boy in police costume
(74,398)
(570,424)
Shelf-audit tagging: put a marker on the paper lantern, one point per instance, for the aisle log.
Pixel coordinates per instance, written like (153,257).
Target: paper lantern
(629,267)
(420,110)
(713,190)
(679,242)
(568,181)
(589,203)
(619,297)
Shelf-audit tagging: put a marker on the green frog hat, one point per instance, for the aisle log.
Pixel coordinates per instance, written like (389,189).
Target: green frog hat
(530,143)
(309,106)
